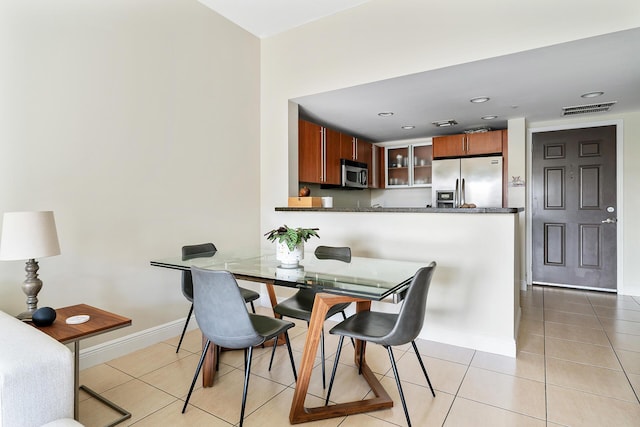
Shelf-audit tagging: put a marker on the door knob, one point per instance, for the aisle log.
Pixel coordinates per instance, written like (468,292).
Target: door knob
(609,221)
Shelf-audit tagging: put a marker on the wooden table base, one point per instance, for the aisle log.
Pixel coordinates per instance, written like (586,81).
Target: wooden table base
(301,414)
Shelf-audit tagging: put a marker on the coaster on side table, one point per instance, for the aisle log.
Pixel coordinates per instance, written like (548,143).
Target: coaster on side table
(75,320)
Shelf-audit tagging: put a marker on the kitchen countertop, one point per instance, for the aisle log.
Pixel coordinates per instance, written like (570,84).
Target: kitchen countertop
(407,210)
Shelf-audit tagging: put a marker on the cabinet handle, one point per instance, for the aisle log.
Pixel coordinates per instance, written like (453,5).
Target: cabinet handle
(323,170)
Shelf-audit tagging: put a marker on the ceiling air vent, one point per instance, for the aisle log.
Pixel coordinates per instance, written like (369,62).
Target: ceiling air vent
(444,123)
(589,108)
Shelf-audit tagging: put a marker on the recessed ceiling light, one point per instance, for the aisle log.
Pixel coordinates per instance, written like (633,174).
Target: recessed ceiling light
(592,94)
(444,123)
(490,117)
(386,114)
(479,99)
(407,127)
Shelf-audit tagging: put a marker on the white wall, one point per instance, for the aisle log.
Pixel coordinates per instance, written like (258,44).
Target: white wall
(389,38)
(137,122)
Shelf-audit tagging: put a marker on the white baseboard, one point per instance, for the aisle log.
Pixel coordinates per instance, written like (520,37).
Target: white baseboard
(118,347)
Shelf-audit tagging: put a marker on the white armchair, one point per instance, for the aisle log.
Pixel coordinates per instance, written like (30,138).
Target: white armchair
(36,377)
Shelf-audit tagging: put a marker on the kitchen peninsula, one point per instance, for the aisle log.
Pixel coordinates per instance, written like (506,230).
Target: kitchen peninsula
(474,299)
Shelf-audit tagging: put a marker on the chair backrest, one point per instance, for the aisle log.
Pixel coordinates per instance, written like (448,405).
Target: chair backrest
(340,253)
(411,316)
(190,252)
(220,309)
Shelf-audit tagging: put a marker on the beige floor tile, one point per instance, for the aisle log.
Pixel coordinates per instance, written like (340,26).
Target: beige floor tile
(524,365)
(625,341)
(139,398)
(535,327)
(533,313)
(172,415)
(102,377)
(448,352)
(572,319)
(93,413)
(515,394)
(466,412)
(224,399)
(577,408)
(630,361)
(569,307)
(147,360)
(590,379)
(361,420)
(275,413)
(281,371)
(176,378)
(192,341)
(576,333)
(348,385)
(634,379)
(444,375)
(617,313)
(620,326)
(565,295)
(531,343)
(376,357)
(582,353)
(613,301)
(424,409)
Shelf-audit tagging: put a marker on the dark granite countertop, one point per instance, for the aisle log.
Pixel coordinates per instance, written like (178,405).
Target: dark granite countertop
(408,210)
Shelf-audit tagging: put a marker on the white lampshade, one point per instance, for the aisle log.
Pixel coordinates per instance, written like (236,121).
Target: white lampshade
(28,235)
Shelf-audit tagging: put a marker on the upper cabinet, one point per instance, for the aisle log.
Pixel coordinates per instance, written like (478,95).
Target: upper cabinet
(318,154)
(471,144)
(356,149)
(408,165)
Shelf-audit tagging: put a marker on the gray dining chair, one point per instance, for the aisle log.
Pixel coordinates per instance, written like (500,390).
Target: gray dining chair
(225,321)
(200,251)
(388,329)
(300,305)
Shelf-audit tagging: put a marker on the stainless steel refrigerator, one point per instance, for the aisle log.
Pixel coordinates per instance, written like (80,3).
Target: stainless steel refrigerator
(476,180)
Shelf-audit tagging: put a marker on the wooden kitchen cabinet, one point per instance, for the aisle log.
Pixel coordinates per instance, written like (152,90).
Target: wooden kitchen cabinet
(358,150)
(464,145)
(409,165)
(318,154)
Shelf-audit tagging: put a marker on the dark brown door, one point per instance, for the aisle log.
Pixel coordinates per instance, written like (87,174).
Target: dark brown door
(574,207)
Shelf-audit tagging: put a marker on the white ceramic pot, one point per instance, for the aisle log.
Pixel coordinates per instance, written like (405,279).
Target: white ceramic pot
(287,258)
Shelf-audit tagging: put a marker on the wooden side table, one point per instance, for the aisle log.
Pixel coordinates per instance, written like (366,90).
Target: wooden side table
(99,322)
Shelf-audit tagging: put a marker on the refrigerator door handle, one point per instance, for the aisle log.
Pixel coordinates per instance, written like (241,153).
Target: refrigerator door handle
(462,195)
(456,195)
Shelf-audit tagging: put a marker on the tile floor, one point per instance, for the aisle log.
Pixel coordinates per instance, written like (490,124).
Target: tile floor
(578,365)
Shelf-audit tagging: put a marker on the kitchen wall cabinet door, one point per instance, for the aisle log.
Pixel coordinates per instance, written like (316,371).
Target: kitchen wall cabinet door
(464,145)
(448,146)
(318,154)
(358,150)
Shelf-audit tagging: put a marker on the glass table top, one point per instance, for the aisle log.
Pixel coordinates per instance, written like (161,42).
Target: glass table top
(371,278)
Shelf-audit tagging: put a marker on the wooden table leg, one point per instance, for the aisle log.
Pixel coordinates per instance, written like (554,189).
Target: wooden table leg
(299,413)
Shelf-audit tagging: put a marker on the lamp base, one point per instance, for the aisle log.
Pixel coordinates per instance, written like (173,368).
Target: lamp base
(31,286)
(25,316)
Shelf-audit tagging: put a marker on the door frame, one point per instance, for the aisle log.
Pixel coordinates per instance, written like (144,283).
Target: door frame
(619,199)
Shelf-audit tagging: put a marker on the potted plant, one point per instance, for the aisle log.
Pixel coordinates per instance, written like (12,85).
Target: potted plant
(290,243)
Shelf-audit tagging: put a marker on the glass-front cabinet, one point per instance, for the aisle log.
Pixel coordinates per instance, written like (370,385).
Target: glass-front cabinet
(408,165)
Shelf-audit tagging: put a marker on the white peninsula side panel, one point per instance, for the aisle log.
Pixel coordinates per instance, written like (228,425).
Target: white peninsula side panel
(474,296)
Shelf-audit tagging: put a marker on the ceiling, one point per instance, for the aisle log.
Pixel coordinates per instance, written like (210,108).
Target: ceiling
(264,18)
(534,84)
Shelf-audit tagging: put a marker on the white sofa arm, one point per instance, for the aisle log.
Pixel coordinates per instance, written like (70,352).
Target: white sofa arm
(36,376)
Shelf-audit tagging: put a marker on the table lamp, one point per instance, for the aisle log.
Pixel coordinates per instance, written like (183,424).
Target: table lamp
(27,236)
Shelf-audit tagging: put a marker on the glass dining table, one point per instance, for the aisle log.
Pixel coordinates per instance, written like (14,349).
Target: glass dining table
(361,281)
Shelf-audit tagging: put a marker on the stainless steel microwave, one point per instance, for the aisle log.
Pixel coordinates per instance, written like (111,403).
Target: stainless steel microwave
(354,174)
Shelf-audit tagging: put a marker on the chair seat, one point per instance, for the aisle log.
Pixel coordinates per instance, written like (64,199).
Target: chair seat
(249,295)
(269,327)
(367,326)
(301,309)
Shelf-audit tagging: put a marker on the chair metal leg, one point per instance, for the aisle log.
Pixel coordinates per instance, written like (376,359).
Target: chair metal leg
(361,357)
(293,365)
(185,328)
(344,316)
(217,357)
(324,381)
(246,383)
(415,349)
(335,368)
(252,307)
(195,377)
(273,351)
(395,374)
